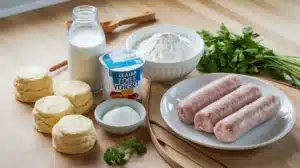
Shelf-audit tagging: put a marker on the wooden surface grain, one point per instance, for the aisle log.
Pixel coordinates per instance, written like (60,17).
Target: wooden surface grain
(39,38)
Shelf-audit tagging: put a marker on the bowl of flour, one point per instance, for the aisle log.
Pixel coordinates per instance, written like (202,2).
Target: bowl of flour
(171,52)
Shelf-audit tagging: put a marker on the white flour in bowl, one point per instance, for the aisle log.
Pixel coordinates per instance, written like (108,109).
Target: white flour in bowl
(166,47)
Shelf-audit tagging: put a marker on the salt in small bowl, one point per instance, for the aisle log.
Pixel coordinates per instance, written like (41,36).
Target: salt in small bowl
(108,105)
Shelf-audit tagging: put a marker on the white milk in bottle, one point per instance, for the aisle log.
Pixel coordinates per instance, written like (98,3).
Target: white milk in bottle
(86,44)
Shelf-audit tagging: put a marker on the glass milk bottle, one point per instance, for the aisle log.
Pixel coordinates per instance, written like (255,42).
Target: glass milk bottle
(86,44)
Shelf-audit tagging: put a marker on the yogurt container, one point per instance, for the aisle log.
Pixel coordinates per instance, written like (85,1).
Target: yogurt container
(122,74)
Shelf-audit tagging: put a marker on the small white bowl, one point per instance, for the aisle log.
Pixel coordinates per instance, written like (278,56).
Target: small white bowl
(157,71)
(108,105)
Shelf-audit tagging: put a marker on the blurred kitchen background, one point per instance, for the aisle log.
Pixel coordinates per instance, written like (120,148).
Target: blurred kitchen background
(12,7)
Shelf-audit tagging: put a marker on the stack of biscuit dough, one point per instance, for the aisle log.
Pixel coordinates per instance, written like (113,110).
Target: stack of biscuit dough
(32,83)
(73,134)
(49,110)
(79,94)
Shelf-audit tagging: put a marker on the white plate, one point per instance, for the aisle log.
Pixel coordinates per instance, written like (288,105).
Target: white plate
(264,134)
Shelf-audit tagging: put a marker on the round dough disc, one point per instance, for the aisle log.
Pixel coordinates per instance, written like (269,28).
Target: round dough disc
(44,83)
(31,73)
(77,92)
(52,106)
(74,125)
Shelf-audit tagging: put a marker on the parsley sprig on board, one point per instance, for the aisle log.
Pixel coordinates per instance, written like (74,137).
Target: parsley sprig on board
(121,154)
(244,54)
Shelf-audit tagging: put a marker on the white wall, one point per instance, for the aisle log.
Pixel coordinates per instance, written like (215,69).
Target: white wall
(12,7)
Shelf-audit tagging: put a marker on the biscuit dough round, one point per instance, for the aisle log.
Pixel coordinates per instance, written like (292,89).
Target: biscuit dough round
(32,83)
(28,74)
(48,110)
(74,134)
(78,92)
(75,125)
(32,96)
(43,83)
(53,106)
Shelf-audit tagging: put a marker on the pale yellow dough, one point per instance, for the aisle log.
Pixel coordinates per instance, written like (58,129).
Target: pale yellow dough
(32,96)
(28,74)
(32,83)
(78,92)
(48,110)
(74,134)
(43,83)
(84,109)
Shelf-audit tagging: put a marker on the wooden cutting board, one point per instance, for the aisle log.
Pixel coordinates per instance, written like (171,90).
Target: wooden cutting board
(178,152)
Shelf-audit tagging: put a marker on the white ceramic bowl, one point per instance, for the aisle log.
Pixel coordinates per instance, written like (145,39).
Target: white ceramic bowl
(264,134)
(108,105)
(157,71)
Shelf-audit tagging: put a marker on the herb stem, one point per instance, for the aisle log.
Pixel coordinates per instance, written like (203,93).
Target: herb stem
(245,54)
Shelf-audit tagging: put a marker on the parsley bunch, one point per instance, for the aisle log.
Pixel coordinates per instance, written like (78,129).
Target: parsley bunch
(244,54)
(121,154)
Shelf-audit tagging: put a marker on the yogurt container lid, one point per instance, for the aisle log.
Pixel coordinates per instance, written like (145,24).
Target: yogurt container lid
(122,60)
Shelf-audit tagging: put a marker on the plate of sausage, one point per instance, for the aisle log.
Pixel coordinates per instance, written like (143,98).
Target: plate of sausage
(228,111)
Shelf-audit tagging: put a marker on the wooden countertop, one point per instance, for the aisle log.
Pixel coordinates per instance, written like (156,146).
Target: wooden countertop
(39,38)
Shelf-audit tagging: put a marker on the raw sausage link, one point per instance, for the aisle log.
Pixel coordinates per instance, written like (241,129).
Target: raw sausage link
(233,126)
(206,119)
(213,91)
